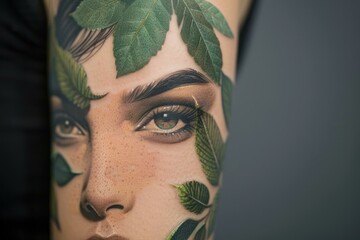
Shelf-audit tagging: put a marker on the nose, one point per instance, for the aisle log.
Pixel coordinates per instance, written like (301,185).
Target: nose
(107,186)
(94,211)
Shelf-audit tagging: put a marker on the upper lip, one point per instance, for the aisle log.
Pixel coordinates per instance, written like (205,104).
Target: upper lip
(113,237)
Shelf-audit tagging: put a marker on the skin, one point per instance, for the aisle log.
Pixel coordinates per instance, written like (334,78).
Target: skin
(126,174)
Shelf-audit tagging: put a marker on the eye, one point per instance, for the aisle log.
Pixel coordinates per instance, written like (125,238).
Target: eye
(66,130)
(168,124)
(165,122)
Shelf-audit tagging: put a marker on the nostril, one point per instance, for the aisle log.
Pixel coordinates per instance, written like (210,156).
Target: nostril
(89,211)
(115,206)
(89,207)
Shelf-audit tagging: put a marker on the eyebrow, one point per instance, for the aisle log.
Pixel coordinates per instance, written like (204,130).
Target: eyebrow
(173,80)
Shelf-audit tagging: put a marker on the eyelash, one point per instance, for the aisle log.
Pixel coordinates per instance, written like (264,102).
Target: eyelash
(187,114)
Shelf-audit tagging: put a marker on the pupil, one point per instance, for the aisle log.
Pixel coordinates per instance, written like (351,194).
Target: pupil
(166,121)
(66,127)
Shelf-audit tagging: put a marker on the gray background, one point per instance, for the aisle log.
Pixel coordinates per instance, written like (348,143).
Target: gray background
(293,160)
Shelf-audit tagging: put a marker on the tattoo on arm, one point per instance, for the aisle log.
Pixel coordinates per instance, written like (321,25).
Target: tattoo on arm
(162,113)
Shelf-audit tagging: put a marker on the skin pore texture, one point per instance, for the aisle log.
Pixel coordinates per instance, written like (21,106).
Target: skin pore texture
(138,156)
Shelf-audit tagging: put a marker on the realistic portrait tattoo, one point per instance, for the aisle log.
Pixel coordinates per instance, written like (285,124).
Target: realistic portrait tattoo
(137,148)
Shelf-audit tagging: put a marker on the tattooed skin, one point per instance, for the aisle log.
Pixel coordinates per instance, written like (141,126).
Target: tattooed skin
(140,106)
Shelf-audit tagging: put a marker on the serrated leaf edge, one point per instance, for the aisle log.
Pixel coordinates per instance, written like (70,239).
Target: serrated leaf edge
(211,15)
(80,100)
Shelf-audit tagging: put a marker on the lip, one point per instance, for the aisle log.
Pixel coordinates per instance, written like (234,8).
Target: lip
(113,237)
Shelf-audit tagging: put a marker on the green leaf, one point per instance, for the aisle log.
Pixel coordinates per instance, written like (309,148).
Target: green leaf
(200,38)
(215,17)
(175,3)
(194,196)
(183,230)
(201,234)
(212,215)
(72,80)
(209,146)
(141,34)
(98,14)
(53,207)
(226,95)
(62,172)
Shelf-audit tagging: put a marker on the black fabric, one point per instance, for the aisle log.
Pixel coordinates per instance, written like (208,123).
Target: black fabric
(24,121)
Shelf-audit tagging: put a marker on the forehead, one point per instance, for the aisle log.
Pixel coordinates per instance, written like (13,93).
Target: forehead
(173,56)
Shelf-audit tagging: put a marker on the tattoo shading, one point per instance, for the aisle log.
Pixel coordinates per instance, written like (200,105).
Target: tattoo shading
(53,207)
(141,27)
(215,17)
(201,234)
(141,34)
(62,175)
(203,228)
(80,42)
(200,38)
(209,146)
(183,230)
(95,14)
(62,172)
(226,96)
(72,79)
(194,196)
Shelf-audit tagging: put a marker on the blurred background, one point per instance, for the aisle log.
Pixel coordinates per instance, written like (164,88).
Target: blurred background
(293,163)
(292,170)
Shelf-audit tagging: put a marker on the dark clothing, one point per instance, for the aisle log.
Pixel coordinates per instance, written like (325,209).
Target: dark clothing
(24,121)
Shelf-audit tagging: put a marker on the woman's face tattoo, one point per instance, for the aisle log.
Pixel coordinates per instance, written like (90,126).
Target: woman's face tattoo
(140,111)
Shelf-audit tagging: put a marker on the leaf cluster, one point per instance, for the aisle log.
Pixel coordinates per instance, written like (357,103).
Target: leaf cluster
(202,228)
(193,195)
(142,25)
(140,31)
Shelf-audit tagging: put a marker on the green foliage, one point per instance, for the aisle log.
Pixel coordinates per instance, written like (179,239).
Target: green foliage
(200,38)
(98,14)
(209,146)
(194,196)
(201,234)
(183,230)
(215,17)
(212,215)
(143,28)
(226,95)
(141,34)
(62,172)
(73,80)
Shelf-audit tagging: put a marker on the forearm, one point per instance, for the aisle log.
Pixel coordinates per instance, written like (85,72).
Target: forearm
(140,104)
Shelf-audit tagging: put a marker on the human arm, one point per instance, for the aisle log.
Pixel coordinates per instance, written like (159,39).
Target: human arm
(140,104)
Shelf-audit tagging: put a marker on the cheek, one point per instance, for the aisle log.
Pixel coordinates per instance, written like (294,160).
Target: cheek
(157,203)
(157,209)
(68,199)
(68,196)
(145,169)
(74,155)
(177,163)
